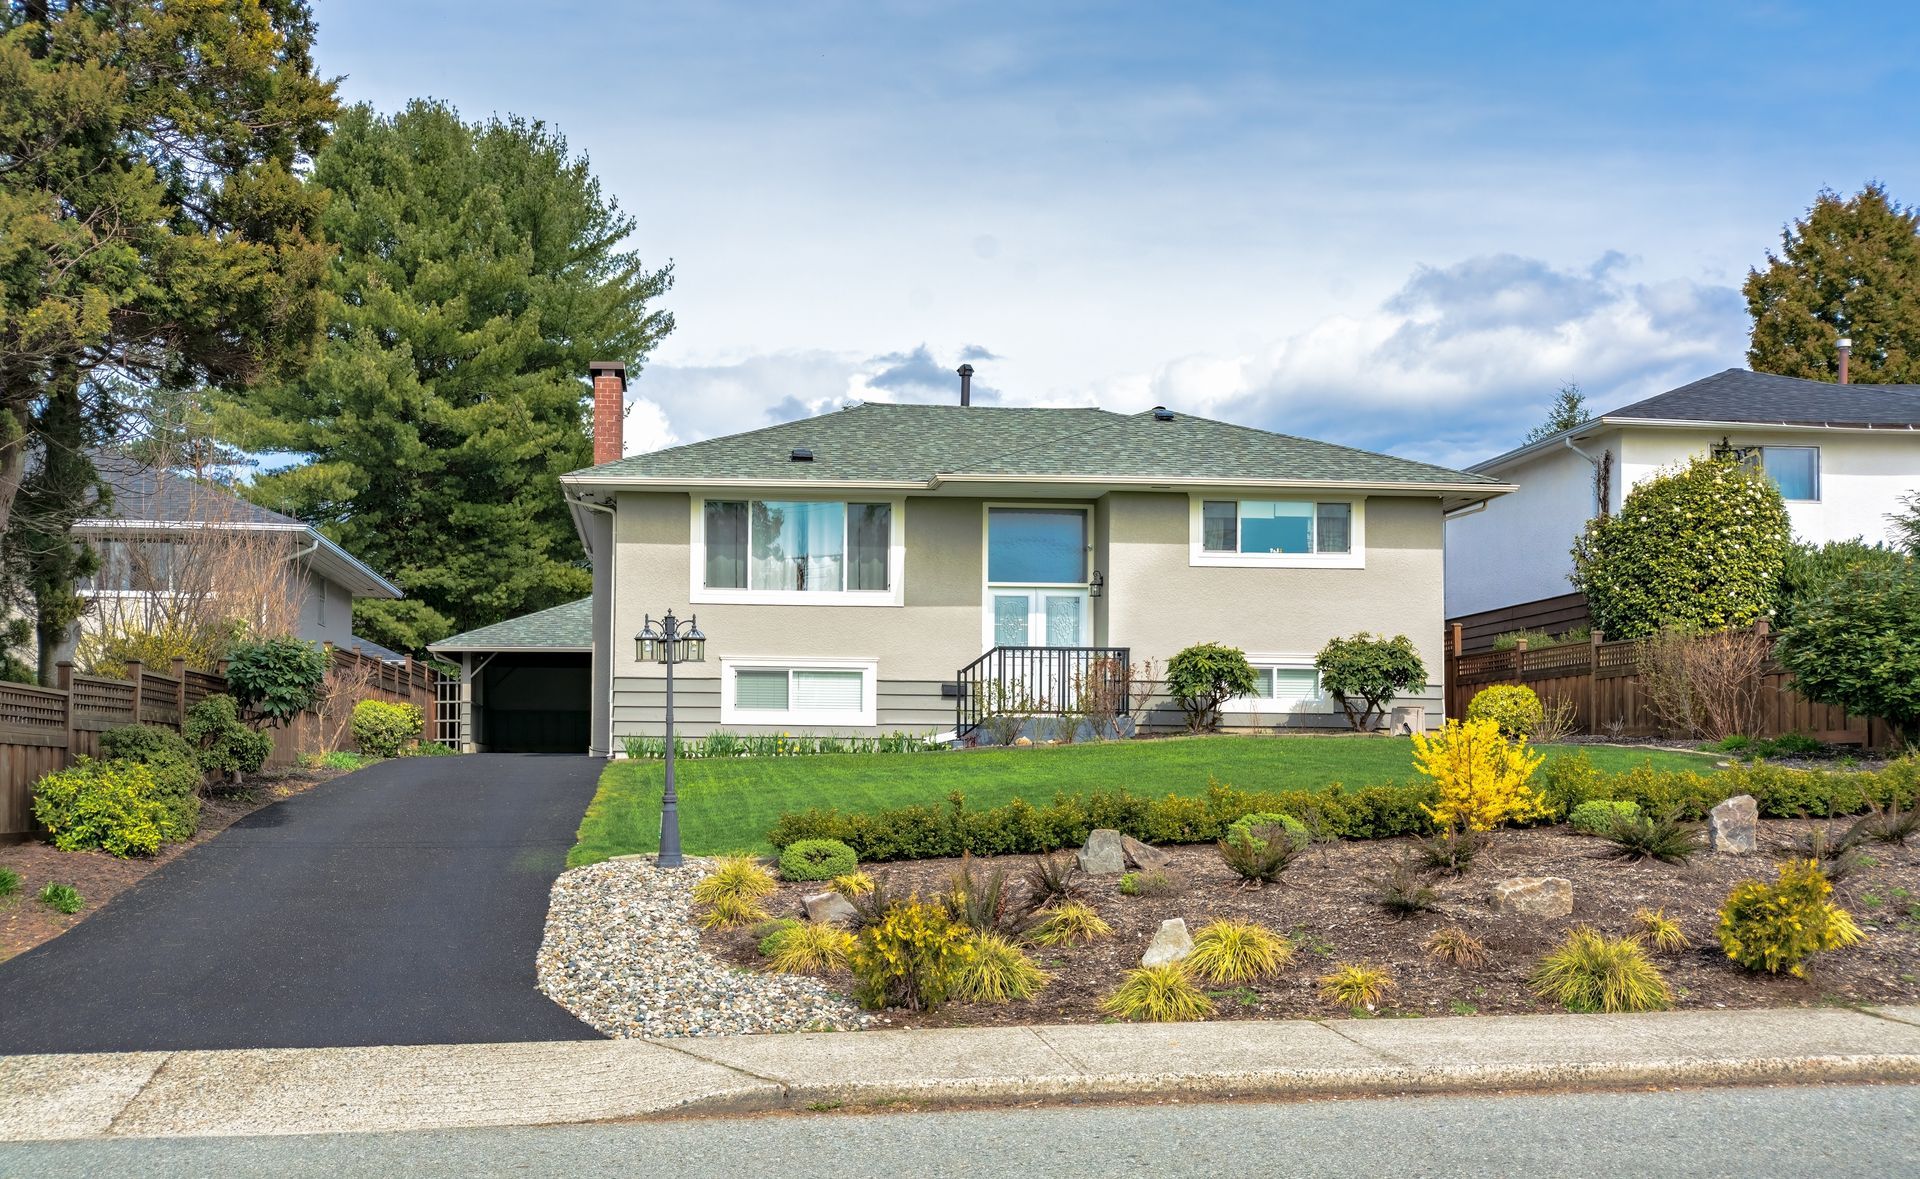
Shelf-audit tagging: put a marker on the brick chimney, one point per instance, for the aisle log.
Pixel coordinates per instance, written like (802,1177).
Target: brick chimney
(609,409)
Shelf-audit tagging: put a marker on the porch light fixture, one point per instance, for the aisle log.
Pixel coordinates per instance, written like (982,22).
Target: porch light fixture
(668,641)
(1098,583)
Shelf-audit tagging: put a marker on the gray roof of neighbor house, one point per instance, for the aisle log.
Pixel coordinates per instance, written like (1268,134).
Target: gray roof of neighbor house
(150,499)
(373,650)
(1740,396)
(559,628)
(923,445)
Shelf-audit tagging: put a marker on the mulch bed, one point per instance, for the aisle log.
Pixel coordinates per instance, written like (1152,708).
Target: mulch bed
(1324,902)
(99,877)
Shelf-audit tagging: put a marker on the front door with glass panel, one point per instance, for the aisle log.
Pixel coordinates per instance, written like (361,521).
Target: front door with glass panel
(1037,560)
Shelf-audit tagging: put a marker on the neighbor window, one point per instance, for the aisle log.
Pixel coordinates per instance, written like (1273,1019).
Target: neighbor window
(1266,526)
(1795,470)
(1279,687)
(132,565)
(809,695)
(1037,546)
(797,545)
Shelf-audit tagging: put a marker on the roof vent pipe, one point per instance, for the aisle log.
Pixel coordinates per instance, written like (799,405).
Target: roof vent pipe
(1846,353)
(966,384)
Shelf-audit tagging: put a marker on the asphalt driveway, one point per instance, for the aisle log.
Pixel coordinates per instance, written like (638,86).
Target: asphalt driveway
(402,904)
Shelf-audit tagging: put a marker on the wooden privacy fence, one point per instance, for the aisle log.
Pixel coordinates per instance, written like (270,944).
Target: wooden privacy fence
(44,729)
(1602,680)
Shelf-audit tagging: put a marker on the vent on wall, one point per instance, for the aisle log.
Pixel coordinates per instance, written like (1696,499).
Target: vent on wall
(1162,414)
(801,455)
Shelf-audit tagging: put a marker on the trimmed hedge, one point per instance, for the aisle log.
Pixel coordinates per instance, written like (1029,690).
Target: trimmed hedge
(1596,816)
(816,859)
(1370,812)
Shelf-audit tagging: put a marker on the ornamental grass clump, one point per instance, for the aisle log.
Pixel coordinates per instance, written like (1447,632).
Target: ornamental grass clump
(1654,929)
(731,893)
(1158,994)
(1775,927)
(1400,891)
(1258,855)
(910,957)
(1238,952)
(852,884)
(1358,986)
(1071,923)
(1638,837)
(1481,776)
(997,971)
(808,947)
(1591,972)
(1456,947)
(9,883)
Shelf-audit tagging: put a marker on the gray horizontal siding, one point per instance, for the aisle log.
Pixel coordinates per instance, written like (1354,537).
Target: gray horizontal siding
(1163,716)
(640,709)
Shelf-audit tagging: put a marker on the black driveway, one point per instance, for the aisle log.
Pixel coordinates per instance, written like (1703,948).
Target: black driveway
(399,905)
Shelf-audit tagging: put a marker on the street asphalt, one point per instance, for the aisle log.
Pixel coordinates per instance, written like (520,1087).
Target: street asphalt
(402,904)
(1776,1132)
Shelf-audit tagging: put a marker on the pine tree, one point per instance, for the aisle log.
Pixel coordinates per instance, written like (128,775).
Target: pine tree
(1569,409)
(479,271)
(1849,268)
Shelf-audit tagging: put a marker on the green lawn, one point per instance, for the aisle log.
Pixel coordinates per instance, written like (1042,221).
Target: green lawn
(729,805)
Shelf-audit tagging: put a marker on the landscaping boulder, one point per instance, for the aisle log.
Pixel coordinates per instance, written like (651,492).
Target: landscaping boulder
(1534,896)
(1734,825)
(1145,855)
(828,906)
(1103,855)
(1170,943)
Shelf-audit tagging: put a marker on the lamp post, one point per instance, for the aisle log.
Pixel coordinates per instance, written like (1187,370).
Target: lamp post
(669,641)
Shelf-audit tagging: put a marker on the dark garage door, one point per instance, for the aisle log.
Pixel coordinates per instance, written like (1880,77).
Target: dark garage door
(535,703)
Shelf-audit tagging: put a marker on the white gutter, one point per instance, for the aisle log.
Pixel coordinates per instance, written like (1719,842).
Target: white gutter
(826,486)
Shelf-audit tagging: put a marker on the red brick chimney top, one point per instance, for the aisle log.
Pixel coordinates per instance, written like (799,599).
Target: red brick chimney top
(609,409)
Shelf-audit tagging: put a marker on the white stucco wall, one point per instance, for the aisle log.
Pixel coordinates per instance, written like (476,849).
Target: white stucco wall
(1517,550)
(326,619)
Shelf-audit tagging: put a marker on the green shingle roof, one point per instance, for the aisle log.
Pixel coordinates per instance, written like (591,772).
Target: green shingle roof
(561,628)
(879,442)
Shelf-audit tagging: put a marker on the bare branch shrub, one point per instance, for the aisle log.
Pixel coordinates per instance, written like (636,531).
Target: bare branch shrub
(1557,721)
(348,682)
(1704,685)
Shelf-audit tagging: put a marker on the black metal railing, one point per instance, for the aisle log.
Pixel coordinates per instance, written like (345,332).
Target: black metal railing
(1022,682)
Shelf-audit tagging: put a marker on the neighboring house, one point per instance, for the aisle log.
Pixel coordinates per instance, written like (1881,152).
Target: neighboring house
(1842,456)
(845,568)
(157,515)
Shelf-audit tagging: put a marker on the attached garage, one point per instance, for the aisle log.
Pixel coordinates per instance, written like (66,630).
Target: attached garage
(526,684)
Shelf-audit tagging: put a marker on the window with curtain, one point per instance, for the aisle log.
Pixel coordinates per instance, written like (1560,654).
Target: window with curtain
(814,691)
(802,545)
(1265,526)
(1795,470)
(1037,546)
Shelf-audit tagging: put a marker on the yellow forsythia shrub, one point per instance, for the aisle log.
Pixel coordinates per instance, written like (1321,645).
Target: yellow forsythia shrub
(1778,926)
(910,958)
(1482,776)
(1514,707)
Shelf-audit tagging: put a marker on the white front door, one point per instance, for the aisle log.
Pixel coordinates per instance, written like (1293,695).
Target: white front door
(1039,618)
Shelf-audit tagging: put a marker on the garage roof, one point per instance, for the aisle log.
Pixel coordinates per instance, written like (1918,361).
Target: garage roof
(561,628)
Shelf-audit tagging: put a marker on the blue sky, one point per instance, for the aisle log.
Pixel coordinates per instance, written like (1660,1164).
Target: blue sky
(1394,226)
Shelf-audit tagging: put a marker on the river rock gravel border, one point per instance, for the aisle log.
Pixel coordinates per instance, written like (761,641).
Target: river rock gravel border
(622,953)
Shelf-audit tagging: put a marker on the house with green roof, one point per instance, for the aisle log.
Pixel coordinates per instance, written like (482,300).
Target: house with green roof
(892,567)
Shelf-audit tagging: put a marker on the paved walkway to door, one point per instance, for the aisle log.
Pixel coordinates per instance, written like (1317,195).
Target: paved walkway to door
(402,904)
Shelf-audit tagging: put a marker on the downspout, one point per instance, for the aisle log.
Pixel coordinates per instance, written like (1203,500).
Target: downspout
(1600,506)
(613,596)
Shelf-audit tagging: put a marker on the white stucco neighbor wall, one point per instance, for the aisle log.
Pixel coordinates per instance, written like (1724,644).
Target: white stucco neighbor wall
(1517,550)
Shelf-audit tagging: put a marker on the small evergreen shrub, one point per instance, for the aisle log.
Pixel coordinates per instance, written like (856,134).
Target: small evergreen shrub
(1596,816)
(1364,674)
(1567,781)
(1070,923)
(111,805)
(1147,884)
(383,729)
(1357,985)
(816,859)
(997,971)
(222,743)
(277,679)
(1260,854)
(175,769)
(911,957)
(1590,972)
(1158,994)
(1515,708)
(1237,952)
(62,898)
(1253,824)
(1203,677)
(1775,927)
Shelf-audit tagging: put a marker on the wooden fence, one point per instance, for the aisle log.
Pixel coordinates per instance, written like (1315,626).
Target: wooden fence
(1549,615)
(1602,680)
(45,729)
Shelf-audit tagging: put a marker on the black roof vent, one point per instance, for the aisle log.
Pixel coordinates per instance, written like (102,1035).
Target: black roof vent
(1162,414)
(801,455)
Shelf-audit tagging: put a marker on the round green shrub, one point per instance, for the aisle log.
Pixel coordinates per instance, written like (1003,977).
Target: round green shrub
(110,805)
(817,859)
(224,745)
(1514,707)
(1203,677)
(382,729)
(1698,548)
(1597,816)
(175,768)
(1251,824)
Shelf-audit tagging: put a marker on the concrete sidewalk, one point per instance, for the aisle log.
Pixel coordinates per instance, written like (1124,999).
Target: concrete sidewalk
(303,1091)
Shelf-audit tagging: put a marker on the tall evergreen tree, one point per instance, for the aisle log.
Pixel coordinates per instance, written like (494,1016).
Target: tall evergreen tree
(1569,409)
(1849,268)
(480,270)
(153,229)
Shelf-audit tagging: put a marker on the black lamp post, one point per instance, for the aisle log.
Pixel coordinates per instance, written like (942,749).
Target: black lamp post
(669,641)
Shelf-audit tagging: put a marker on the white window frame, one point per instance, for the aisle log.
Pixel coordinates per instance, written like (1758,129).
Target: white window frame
(1319,702)
(987,586)
(893,595)
(1354,558)
(732,714)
